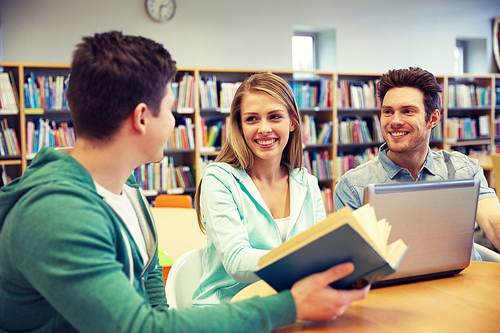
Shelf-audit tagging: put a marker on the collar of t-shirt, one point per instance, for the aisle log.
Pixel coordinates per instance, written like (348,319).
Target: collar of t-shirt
(123,207)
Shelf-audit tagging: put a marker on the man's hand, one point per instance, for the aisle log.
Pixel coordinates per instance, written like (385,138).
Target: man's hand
(316,300)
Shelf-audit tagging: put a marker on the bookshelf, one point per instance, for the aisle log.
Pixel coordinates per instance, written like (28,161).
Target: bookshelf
(496,95)
(325,99)
(44,107)
(469,113)
(11,164)
(357,113)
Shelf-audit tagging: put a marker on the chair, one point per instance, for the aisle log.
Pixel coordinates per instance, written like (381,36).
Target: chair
(487,254)
(183,278)
(174,200)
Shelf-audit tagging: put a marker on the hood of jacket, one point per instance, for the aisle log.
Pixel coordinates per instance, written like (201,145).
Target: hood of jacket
(50,166)
(299,175)
(299,183)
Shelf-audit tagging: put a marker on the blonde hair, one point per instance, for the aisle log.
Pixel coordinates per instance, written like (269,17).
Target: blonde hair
(235,151)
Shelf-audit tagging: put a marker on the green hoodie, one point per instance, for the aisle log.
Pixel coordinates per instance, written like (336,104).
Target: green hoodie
(69,264)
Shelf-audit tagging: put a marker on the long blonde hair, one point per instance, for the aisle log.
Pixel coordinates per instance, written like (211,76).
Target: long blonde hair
(235,151)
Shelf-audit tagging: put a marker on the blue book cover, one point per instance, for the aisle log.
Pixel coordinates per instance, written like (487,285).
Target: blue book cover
(338,239)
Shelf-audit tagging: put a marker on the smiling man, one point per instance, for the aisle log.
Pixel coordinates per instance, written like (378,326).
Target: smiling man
(410,109)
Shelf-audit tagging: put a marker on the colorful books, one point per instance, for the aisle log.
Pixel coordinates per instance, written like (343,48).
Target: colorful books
(9,144)
(164,176)
(343,236)
(45,92)
(185,98)
(47,133)
(345,162)
(319,164)
(8,100)
(357,131)
(468,96)
(313,94)
(357,94)
(182,137)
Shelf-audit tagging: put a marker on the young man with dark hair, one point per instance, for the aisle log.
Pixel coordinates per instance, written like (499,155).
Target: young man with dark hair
(410,109)
(78,247)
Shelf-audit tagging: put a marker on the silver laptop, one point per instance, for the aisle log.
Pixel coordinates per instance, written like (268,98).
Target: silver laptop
(436,219)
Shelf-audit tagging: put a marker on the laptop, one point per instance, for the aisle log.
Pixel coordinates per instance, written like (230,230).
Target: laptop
(435,218)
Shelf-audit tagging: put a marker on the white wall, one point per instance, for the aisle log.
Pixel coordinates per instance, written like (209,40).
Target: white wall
(371,36)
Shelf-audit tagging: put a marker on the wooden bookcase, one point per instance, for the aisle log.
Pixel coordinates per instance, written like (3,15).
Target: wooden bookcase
(496,123)
(470,97)
(335,110)
(13,165)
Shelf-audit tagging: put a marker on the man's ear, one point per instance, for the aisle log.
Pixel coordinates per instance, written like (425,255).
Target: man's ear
(434,120)
(139,118)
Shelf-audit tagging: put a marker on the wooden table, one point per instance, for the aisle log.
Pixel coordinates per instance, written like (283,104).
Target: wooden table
(467,302)
(178,230)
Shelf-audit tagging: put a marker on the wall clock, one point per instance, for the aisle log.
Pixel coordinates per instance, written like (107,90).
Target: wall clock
(161,10)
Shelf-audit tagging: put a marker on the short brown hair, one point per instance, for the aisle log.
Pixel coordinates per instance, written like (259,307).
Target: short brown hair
(413,77)
(110,75)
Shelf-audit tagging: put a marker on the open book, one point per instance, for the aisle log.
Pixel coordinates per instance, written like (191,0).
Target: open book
(343,236)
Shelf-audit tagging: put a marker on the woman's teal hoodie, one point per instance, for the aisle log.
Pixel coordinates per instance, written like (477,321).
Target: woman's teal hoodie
(241,229)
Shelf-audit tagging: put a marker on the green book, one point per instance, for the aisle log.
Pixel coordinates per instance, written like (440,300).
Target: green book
(343,236)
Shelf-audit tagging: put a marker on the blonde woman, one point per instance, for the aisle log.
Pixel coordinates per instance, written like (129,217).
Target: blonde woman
(256,194)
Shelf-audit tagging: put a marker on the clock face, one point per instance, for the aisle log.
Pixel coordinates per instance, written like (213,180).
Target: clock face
(161,10)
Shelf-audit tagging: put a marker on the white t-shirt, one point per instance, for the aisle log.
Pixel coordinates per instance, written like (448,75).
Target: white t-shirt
(283,226)
(123,207)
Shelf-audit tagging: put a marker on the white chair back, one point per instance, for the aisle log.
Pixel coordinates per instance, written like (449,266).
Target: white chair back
(487,254)
(183,278)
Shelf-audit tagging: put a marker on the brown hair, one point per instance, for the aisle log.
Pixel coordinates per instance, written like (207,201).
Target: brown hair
(413,77)
(110,75)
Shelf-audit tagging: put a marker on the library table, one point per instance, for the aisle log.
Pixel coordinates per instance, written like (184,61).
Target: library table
(178,230)
(466,302)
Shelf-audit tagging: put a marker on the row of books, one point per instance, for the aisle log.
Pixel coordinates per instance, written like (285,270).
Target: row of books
(357,131)
(311,136)
(212,97)
(226,95)
(46,132)
(327,195)
(497,91)
(319,164)
(9,101)
(315,94)
(345,162)
(4,177)
(468,96)
(183,136)
(184,94)
(437,132)
(497,126)
(214,132)
(357,94)
(468,128)
(208,92)
(9,145)
(46,92)
(164,176)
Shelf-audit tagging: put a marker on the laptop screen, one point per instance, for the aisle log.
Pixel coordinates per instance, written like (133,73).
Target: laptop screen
(436,219)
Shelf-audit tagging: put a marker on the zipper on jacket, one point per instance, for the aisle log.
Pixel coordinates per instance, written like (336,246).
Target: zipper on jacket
(129,253)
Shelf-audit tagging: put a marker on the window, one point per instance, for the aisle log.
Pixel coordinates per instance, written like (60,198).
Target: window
(459,58)
(303,52)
